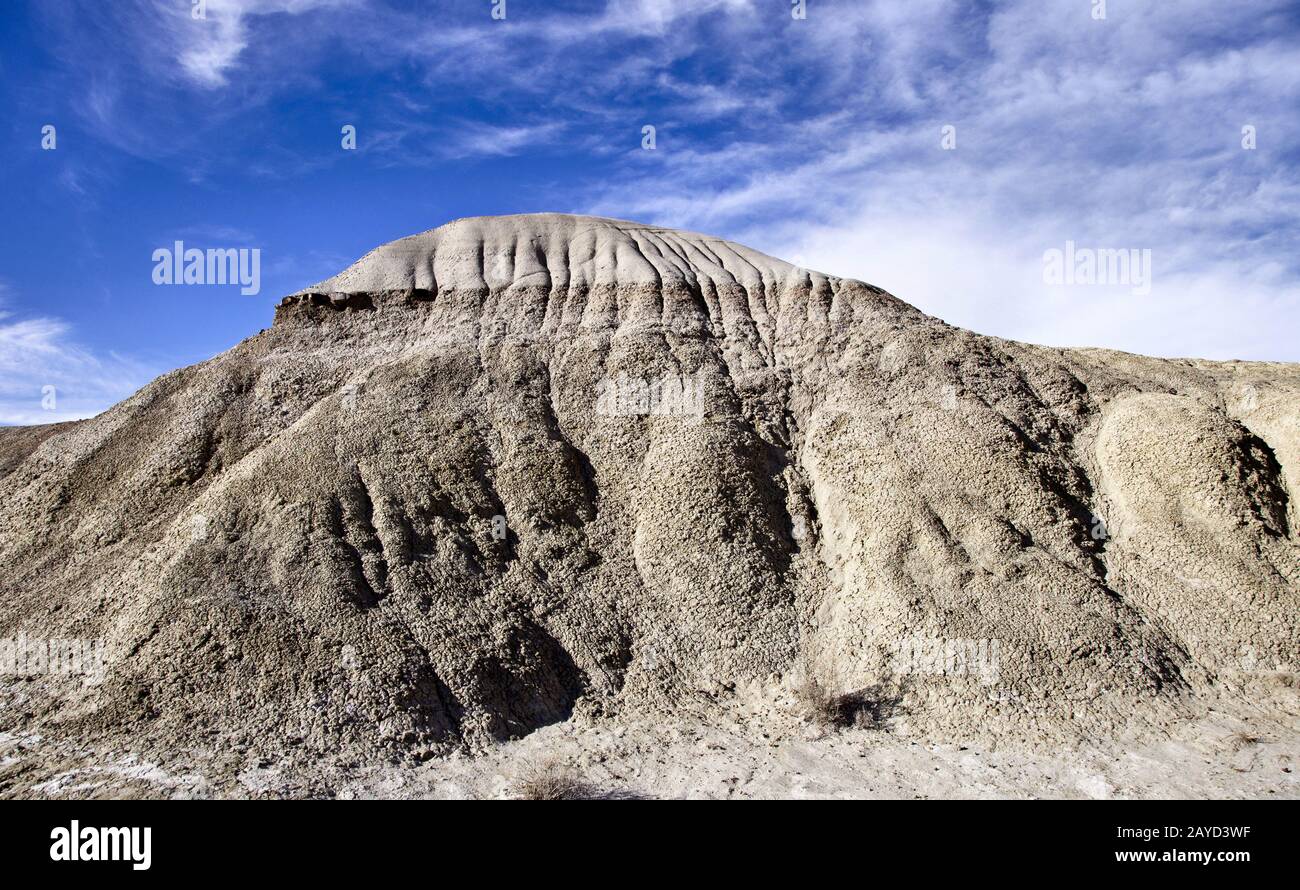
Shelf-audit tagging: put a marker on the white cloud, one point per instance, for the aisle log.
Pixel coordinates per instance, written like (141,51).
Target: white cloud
(821,137)
(970,275)
(485,140)
(208,48)
(46,376)
(1118,134)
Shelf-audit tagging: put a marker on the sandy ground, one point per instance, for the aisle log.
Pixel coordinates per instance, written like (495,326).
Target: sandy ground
(1221,755)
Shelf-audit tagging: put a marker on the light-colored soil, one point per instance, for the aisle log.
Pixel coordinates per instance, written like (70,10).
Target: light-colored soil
(1219,756)
(518,475)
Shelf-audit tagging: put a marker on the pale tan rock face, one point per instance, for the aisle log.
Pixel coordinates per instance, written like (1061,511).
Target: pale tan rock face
(515,468)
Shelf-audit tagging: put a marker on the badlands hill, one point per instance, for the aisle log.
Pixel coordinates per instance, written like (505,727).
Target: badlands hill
(517,470)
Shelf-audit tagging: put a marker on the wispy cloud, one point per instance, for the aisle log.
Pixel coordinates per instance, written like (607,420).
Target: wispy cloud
(1124,133)
(215,234)
(818,137)
(207,47)
(485,140)
(416,143)
(46,376)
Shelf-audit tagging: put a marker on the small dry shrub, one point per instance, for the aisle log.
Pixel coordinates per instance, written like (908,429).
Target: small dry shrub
(869,708)
(1239,741)
(824,707)
(552,780)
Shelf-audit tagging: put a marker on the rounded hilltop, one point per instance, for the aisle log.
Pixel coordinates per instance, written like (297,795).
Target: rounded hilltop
(556,250)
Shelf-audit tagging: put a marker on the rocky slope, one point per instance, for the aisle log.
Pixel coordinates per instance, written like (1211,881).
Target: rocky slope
(519,469)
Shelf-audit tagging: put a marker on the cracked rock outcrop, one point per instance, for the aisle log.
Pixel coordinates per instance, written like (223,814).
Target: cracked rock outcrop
(515,469)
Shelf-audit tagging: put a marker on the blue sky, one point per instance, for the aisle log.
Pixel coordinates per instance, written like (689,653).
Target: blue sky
(817,139)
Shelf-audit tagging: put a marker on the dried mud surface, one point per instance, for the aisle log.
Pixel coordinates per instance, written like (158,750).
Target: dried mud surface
(407,527)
